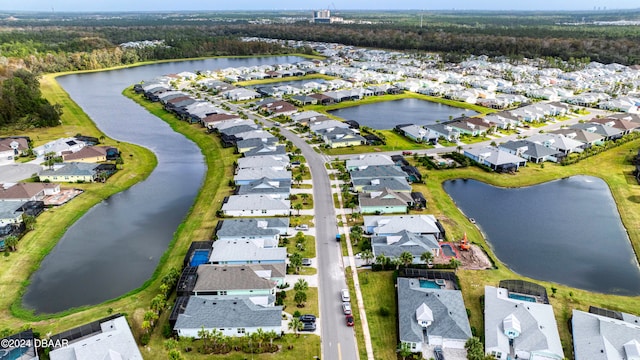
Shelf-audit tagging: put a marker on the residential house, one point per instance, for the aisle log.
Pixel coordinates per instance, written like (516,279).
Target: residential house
(266,150)
(264,232)
(263,161)
(558,142)
(248,175)
(583,136)
(11,148)
(240,94)
(496,159)
(10,212)
(76,172)
(602,334)
(234,282)
(210,120)
(378,171)
(626,126)
(414,132)
(305,117)
(607,132)
(392,224)
(256,205)
(438,131)
(431,317)
(384,202)
(109,338)
(531,151)
(25,344)
(265,186)
(393,245)
(466,127)
(340,137)
(59,146)
(232,317)
(379,184)
(239,252)
(280,107)
(322,124)
(91,154)
(245,145)
(27,191)
(364,160)
(229,123)
(519,328)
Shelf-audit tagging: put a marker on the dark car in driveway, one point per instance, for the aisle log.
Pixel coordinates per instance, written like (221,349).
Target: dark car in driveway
(438,354)
(308,318)
(308,326)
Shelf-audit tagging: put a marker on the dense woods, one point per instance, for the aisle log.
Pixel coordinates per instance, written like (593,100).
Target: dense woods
(21,102)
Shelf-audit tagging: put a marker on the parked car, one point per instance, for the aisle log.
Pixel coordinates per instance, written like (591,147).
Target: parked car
(306,262)
(308,326)
(346,308)
(438,354)
(308,318)
(344,295)
(302,227)
(407,153)
(350,321)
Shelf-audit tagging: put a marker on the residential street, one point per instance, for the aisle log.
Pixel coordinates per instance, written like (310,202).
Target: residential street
(338,340)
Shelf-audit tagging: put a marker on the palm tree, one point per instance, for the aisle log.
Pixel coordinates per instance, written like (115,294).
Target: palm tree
(295,260)
(298,179)
(455,263)
(298,207)
(158,303)
(382,260)
(304,197)
(11,242)
(302,168)
(146,326)
(426,257)
(296,325)
(259,336)
(151,317)
(271,335)
(404,350)
(205,335)
(301,285)
(367,256)
(406,258)
(300,298)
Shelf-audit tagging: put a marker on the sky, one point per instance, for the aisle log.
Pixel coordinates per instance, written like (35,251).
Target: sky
(173,5)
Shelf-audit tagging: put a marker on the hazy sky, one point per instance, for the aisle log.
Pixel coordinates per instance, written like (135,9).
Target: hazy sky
(170,5)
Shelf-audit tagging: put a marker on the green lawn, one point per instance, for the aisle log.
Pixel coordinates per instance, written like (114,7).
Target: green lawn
(296,220)
(309,245)
(310,307)
(306,204)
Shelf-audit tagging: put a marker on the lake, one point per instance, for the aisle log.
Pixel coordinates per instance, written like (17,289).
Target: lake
(566,231)
(388,114)
(115,247)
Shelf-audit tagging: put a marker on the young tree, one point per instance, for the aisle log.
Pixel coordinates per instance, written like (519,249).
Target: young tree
(426,257)
(295,260)
(151,316)
(304,197)
(11,242)
(298,207)
(367,256)
(296,325)
(404,350)
(204,335)
(300,298)
(301,285)
(406,258)
(475,349)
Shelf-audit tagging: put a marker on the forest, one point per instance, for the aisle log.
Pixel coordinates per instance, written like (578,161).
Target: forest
(48,43)
(21,103)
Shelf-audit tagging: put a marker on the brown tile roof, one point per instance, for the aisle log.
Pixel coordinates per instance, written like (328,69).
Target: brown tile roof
(86,152)
(223,277)
(24,190)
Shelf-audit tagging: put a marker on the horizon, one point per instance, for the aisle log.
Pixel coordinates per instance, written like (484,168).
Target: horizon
(78,6)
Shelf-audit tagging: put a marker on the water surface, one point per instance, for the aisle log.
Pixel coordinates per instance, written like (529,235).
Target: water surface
(566,231)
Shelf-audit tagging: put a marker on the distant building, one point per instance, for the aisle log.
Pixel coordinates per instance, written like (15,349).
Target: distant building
(324,17)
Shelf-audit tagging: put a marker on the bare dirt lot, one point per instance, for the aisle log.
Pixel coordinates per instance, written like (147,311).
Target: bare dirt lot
(474,259)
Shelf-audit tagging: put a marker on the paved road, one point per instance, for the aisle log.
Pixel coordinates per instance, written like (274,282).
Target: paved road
(338,340)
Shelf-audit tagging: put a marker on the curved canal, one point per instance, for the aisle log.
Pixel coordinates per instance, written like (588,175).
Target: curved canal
(115,247)
(566,231)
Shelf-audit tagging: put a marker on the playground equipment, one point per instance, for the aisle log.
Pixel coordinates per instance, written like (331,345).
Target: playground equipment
(464,243)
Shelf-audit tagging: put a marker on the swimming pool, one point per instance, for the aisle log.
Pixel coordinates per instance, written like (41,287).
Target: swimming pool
(14,354)
(448,250)
(522,297)
(428,284)
(199,257)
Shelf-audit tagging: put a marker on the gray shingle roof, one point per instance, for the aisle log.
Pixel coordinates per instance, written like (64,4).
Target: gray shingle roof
(251,226)
(539,331)
(72,169)
(419,224)
(222,277)
(449,314)
(265,186)
(385,197)
(255,202)
(372,172)
(396,244)
(377,184)
(234,313)
(244,251)
(597,337)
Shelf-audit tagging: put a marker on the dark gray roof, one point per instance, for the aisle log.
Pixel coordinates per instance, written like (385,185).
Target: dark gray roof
(396,244)
(385,197)
(251,226)
(237,129)
(600,129)
(72,169)
(266,150)
(377,171)
(234,313)
(265,186)
(255,142)
(222,277)
(378,184)
(449,314)
(533,150)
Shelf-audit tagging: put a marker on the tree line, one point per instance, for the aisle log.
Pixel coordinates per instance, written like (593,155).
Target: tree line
(21,102)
